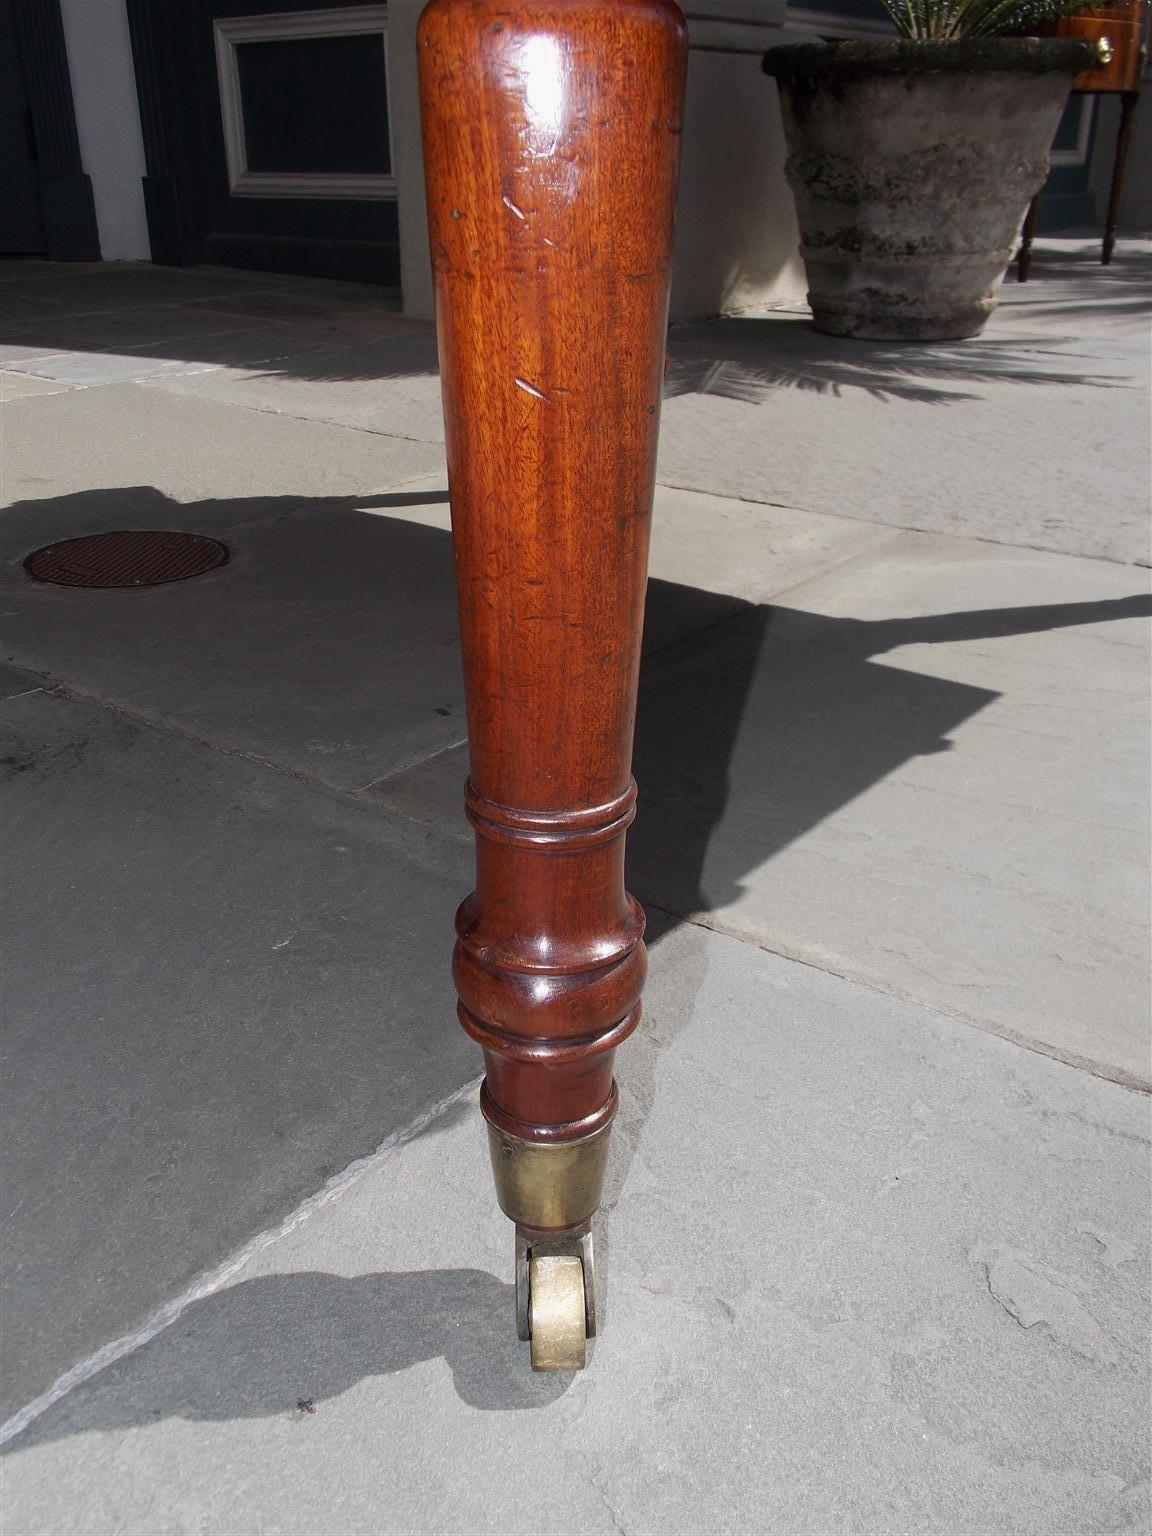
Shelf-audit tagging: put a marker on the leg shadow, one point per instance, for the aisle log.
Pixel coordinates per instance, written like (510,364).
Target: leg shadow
(284,1345)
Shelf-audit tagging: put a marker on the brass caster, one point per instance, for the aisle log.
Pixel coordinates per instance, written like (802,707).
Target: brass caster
(556,1296)
(556,1313)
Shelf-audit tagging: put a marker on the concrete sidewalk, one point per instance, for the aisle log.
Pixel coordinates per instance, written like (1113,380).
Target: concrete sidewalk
(876,1252)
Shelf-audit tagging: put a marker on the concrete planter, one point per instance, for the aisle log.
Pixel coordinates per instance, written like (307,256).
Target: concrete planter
(913,165)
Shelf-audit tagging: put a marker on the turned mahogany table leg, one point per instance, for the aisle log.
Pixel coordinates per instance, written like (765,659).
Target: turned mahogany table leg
(551,138)
(1027,236)
(1128,102)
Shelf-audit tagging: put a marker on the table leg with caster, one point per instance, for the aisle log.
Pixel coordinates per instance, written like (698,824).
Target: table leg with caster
(1027,236)
(1128,102)
(551,137)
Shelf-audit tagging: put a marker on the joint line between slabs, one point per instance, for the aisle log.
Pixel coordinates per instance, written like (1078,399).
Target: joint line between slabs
(213,1280)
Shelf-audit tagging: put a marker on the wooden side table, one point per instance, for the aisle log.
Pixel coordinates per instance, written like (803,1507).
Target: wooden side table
(1123,26)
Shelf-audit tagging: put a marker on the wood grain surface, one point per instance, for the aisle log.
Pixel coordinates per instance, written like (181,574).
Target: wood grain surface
(551,143)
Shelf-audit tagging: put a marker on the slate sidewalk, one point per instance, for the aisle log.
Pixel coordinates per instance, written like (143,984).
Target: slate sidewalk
(876,1250)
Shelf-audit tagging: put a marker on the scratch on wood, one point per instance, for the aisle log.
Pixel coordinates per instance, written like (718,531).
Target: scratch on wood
(531,389)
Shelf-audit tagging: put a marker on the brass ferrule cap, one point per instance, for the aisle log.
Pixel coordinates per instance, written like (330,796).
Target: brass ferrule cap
(548,1185)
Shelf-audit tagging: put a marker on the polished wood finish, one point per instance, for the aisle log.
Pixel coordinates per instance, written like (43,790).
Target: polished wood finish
(1125,25)
(551,141)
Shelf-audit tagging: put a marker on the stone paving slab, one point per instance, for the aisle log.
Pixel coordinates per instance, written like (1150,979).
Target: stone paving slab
(1034,434)
(390,386)
(88,369)
(118,329)
(926,770)
(1071,293)
(123,308)
(751,396)
(912,1298)
(733,551)
(220,985)
(128,435)
(889,1275)
(90,288)
(16,386)
(351,313)
(328,644)
(14,681)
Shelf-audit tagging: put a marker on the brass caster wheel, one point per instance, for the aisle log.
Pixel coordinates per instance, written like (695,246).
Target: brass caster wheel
(556,1312)
(556,1297)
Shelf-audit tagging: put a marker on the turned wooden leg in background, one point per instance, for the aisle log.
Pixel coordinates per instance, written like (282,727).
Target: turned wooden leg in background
(1128,102)
(1027,236)
(551,139)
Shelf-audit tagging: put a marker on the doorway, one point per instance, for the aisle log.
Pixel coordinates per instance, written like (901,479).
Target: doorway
(267,135)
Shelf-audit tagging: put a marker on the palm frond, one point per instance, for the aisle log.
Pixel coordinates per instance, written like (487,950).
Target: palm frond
(924,21)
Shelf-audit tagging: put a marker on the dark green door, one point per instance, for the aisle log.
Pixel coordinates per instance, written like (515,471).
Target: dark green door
(21,222)
(266,127)
(1067,201)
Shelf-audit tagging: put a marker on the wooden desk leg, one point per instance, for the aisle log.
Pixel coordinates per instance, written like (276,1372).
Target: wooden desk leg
(1128,102)
(1027,235)
(551,140)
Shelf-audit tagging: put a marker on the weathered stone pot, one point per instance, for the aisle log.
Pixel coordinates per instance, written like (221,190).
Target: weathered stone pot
(913,165)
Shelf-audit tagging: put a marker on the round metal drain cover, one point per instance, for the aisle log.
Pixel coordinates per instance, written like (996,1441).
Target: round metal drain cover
(129,558)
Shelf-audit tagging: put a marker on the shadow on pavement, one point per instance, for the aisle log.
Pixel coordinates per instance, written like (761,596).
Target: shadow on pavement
(285,1345)
(346,332)
(748,358)
(831,722)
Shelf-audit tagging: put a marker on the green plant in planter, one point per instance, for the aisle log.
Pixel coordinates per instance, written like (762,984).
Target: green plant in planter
(913,160)
(924,21)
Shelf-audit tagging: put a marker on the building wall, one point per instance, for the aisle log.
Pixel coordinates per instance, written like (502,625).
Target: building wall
(1136,209)
(407,158)
(737,243)
(736,239)
(108,123)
